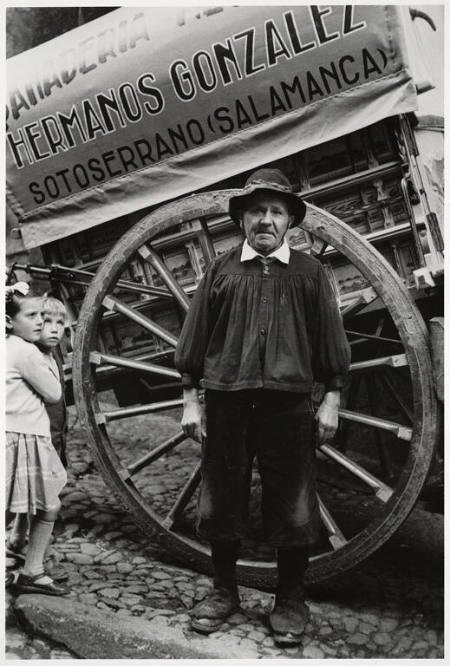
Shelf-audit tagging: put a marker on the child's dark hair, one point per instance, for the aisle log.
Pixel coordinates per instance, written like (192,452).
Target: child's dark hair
(15,295)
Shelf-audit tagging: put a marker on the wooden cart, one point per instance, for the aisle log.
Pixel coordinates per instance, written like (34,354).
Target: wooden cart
(128,282)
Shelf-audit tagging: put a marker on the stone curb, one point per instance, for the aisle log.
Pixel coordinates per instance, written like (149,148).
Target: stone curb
(93,634)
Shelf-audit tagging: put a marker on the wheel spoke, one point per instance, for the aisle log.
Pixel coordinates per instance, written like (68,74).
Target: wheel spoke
(148,254)
(396,395)
(379,326)
(341,434)
(97,358)
(382,491)
(141,288)
(364,297)
(206,243)
(385,458)
(150,457)
(66,274)
(401,431)
(368,336)
(141,357)
(126,412)
(114,305)
(335,536)
(183,498)
(395,361)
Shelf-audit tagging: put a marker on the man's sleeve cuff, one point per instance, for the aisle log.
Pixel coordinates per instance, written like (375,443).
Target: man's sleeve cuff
(187,381)
(336,383)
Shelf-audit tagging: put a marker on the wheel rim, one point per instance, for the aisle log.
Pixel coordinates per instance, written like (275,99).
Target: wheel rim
(412,333)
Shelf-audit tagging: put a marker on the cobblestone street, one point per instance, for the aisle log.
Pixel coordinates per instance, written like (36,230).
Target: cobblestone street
(389,606)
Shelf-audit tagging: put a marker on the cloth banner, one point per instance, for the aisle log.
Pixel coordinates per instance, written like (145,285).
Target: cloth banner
(147,104)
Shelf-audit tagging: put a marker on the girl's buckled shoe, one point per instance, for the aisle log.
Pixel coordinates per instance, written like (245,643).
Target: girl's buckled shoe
(29,584)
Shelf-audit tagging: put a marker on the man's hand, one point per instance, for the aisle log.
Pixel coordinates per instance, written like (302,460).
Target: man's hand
(327,416)
(193,421)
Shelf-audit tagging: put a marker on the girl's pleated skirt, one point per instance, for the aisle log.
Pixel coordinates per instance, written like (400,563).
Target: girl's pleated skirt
(35,475)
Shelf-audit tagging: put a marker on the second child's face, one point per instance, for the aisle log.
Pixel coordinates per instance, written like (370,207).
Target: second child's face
(52,330)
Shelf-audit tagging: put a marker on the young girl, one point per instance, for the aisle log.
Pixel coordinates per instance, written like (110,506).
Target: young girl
(35,475)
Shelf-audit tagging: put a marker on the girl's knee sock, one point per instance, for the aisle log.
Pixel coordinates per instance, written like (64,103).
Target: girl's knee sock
(40,534)
(18,534)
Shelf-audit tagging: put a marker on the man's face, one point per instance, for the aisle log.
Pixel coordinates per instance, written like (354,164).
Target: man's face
(52,330)
(265,222)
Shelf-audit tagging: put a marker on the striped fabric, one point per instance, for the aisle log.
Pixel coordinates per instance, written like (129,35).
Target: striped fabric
(35,475)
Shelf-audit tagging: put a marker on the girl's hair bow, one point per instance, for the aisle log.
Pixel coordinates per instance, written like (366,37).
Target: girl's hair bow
(19,287)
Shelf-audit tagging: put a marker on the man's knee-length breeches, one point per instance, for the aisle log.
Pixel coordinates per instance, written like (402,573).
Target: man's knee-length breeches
(277,427)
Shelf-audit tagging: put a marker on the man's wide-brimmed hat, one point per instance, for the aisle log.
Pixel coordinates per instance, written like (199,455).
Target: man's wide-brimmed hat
(267,180)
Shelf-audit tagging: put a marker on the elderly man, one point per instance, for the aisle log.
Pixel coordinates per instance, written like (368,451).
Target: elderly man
(263,325)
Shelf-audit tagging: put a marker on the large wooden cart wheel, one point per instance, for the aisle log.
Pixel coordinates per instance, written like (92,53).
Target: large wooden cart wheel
(370,477)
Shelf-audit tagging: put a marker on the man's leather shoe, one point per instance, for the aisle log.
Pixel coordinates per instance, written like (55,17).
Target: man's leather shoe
(288,621)
(213,610)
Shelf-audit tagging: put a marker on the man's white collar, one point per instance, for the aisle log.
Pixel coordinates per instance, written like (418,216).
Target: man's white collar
(282,253)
